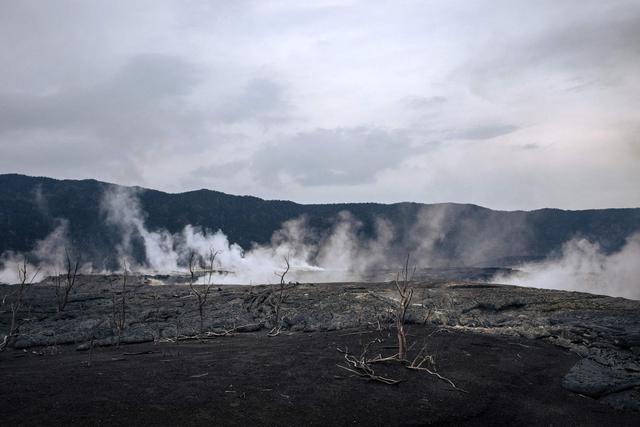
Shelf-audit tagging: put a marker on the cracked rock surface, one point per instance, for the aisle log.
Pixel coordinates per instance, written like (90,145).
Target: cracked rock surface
(604,331)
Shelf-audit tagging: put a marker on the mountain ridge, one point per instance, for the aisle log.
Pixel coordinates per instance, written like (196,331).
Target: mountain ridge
(459,234)
(208,190)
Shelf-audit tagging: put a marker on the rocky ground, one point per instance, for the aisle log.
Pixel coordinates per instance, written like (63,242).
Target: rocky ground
(525,356)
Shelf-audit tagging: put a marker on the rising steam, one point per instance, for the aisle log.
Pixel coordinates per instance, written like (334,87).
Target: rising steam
(339,255)
(49,253)
(584,267)
(439,236)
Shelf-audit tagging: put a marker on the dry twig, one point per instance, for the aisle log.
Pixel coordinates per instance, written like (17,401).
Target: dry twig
(361,366)
(420,359)
(212,334)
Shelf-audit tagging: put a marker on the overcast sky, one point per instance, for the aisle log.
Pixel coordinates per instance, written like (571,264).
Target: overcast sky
(506,104)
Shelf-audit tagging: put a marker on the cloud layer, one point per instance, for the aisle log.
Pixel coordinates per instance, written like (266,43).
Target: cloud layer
(512,106)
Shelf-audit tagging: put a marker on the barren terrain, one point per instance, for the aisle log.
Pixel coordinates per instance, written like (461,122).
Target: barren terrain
(517,356)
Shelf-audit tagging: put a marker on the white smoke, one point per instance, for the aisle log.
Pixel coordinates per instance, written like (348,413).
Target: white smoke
(584,267)
(341,251)
(340,255)
(450,235)
(430,229)
(47,257)
(123,210)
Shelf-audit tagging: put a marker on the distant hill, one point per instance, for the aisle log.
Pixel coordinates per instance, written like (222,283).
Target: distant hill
(450,234)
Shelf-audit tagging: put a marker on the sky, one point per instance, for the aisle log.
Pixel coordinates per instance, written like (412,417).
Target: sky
(505,104)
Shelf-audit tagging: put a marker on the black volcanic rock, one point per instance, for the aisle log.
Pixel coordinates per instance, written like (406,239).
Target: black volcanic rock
(599,330)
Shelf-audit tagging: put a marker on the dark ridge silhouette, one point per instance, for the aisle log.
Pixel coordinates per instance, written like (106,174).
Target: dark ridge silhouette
(465,234)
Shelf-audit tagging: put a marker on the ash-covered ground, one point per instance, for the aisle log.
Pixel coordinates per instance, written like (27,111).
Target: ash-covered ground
(520,355)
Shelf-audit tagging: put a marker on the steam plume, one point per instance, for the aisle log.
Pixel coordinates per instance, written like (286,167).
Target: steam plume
(339,255)
(584,267)
(438,236)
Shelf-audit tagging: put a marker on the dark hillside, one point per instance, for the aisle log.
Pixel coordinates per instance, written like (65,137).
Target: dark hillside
(456,234)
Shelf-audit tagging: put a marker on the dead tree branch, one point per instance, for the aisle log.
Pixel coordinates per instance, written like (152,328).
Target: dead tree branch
(203,293)
(119,306)
(92,338)
(361,366)
(278,303)
(417,364)
(17,302)
(63,289)
(213,334)
(402,282)
(426,363)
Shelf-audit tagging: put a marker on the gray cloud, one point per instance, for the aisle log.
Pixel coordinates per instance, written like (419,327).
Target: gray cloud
(288,99)
(147,86)
(424,102)
(344,156)
(593,45)
(589,43)
(114,125)
(261,99)
(485,131)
